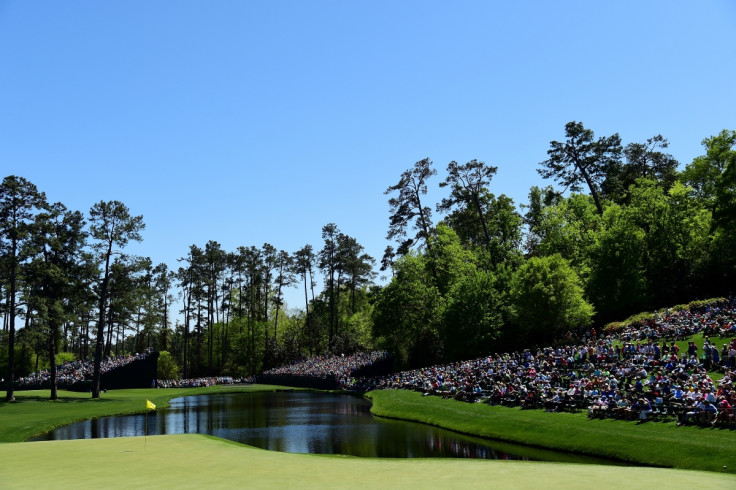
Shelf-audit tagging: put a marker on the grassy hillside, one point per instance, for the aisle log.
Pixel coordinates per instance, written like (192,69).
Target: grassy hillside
(652,443)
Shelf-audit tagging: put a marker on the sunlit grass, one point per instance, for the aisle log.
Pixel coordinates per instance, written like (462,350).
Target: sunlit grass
(196,461)
(651,443)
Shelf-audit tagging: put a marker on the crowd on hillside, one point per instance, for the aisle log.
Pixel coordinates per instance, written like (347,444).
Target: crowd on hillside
(341,368)
(79,370)
(637,373)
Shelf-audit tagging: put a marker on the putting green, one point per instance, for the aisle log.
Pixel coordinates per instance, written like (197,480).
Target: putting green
(197,461)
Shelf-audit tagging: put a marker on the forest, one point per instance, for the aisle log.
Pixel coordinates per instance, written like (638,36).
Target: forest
(620,229)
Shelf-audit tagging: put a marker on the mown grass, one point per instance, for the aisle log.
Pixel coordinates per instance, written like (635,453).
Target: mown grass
(660,444)
(197,461)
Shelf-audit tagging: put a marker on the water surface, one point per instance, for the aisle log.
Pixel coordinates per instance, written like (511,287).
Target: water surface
(302,422)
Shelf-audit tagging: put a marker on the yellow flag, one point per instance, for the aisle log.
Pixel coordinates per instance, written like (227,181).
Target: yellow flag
(150,406)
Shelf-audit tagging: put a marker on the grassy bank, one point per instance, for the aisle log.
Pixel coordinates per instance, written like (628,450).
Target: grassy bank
(33,413)
(196,461)
(653,443)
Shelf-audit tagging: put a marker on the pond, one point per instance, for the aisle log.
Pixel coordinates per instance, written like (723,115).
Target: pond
(304,422)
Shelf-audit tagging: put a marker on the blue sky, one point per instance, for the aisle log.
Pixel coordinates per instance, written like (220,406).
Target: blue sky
(252,122)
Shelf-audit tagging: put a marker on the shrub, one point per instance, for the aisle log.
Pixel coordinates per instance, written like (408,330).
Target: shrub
(166,368)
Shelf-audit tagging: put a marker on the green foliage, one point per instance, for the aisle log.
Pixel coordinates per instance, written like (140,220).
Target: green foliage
(20,200)
(539,199)
(643,160)
(497,238)
(23,364)
(472,318)
(407,207)
(722,149)
(440,305)
(580,161)
(676,228)
(638,239)
(635,321)
(569,228)
(407,309)
(703,175)
(449,260)
(702,303)
(547,299)
(247,348)
(64,357)
(474,215)
(617,281)
(357,331)
(166,367)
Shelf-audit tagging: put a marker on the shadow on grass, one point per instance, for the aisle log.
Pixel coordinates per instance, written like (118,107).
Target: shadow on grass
(38,398)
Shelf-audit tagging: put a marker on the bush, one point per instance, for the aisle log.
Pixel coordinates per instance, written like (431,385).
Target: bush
(63,357)
(638,320)
(166,367)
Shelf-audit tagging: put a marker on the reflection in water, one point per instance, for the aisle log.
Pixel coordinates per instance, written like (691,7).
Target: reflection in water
(298,422)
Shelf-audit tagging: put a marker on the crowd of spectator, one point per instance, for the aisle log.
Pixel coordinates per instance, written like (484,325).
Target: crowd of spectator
(81,370)
(341,368)
(639,373)
(636,373)
(69,373)
(198,382)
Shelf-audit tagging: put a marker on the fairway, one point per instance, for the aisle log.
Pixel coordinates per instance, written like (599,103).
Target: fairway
(196,461)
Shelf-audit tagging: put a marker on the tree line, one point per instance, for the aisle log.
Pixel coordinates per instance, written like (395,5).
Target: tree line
(623,230)
(67,278)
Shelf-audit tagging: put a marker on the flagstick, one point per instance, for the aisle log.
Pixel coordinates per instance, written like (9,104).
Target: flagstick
(145,436)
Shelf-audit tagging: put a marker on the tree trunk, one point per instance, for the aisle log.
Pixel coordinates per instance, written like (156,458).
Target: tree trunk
(592,188)
(478,207)
(86,339)
(23,352)
(276,318)
(306,297)
(210,328)
(425,228)
(185,371)
(10,395)
(108,341)
(198,364)
(38,349)
(52,361)
(224,340)
(101,325)
(331,339)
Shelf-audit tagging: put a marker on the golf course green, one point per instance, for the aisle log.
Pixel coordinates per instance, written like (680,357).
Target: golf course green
(196,461)
(189,461)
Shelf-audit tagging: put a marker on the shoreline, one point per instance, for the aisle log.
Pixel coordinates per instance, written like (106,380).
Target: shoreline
(654,444)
